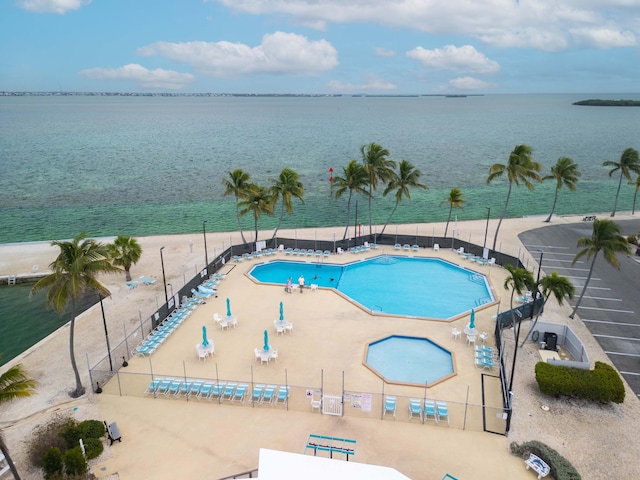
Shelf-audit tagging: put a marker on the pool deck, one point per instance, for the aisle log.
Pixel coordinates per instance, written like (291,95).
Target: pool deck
(329,338)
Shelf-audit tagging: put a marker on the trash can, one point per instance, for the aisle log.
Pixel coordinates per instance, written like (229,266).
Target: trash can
(551,339)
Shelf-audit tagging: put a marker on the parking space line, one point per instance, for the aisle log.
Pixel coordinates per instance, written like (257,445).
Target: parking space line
(623,354)
(611,323)
(603,298)
(545,246)
(629,373)
(593,279)
(605,309)
(613,336)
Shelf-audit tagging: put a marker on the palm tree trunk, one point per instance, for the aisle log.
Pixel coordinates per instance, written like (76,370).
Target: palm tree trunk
(504,212)
(448,220)
(370,218)
(584,289)
(79,391)
(346,228)
(615,205)
(255,221)
(553,209)
(390,215)
(127,273)
(279,221)
(238,219)
(633,210)
(7,457)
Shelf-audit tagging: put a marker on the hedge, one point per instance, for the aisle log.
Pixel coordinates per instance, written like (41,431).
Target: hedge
(561,468)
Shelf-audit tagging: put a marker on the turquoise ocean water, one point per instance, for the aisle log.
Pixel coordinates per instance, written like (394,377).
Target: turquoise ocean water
(154,165)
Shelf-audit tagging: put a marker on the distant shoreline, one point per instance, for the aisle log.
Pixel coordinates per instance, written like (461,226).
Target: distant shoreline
(608,103)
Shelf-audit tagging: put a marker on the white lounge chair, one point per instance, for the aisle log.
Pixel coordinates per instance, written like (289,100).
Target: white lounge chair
(316,404)
(436,246)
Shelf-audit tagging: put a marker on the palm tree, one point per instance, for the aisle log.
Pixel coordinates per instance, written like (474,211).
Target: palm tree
(74,273)
(636,184)
(454,200)
(257,200)
(520,168)
(564,172)
(407,177)
(14,383)
(354,179)
(519,280)
(378,168)
(629,162)
(236,185)
(606,238)
(124,252)
(556,285)
(287,186)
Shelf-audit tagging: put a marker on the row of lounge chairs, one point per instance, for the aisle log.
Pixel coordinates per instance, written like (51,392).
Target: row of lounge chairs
(161,333)
(430,410)
(301,252)
(257,254)
(484,357)
(221,391)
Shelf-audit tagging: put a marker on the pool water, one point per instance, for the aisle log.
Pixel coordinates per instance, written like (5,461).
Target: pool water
(394,285)
(415,360)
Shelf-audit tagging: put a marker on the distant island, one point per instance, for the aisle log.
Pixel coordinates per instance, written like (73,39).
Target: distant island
(608,103)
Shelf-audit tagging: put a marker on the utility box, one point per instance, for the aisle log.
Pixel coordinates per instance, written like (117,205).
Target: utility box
(551,341)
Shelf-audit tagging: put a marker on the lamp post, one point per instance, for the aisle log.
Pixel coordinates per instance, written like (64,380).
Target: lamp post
(106,333)
(206,257)
(164,278)
(486,230)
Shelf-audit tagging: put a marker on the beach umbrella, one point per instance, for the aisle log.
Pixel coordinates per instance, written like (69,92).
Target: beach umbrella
(281,312)
(228,308)
(266,341)
(472,324)
(205,342)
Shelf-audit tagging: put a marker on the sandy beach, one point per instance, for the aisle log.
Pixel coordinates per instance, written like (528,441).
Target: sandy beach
(164,438)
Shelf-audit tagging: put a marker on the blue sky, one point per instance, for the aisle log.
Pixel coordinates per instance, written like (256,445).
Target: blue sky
(321,46)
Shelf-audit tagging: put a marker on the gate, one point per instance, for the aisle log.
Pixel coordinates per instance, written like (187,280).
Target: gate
(332,405)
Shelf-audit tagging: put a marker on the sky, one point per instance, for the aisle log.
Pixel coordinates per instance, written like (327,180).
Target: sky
(377,47)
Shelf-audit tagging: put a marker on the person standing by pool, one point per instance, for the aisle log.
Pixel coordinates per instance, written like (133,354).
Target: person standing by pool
(301,282)
(289,285)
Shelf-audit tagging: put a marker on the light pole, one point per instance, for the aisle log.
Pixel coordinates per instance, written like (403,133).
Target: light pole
(486,230)
(206,257)
(164,278)
(106,333)
(171,286)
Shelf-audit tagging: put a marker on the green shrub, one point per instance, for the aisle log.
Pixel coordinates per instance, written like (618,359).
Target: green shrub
(74,461)
(561,468)
(632,239)
(93,447)
(71,433)
(52,462)
(92,429)
(602,384)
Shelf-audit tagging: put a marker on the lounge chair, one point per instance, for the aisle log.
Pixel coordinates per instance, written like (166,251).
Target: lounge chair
(217,390)
(430,411)
(397,246)
(247,256)
(206,291)
(174,388)
(256,394)
(195,388)
(219,276)
(326,253)
(390,405)
(288,251)
(483,362)
(237,258)
(283,395)
(228,391)
(415,248)
(318,253)
(310,252)
(406,247)
(147,281)
(537,465)
(205,390)
(153,386)
(239,393)
(184,389)
(198,294)
(132,285)
(436,247)
(269,394)
(164,386)
(443,411)
(415,408)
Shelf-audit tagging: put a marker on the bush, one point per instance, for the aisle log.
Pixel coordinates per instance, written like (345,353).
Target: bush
(71,433)
(633,239)
(602,384)
(74,462)
(45,437)
(93,447)
(561,468)
(52,462)
(91,429)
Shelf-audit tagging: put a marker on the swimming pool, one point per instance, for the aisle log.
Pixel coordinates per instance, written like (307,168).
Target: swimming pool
(390,285)
(411,360)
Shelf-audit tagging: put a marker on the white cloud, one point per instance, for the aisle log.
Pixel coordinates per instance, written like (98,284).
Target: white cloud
(468,83)
(547,25)
(383,52)
(371,83)
(605,37)
(279,53)
(153,79)
(450,57)
(52,6)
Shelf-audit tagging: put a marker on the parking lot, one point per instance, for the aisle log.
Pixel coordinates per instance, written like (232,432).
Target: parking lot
(611,303)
